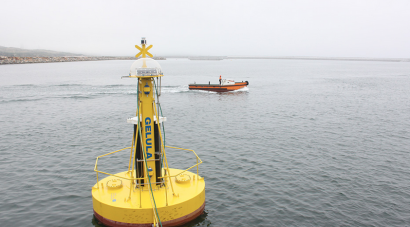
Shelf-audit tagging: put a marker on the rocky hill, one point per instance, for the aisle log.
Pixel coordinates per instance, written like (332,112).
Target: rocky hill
(18,52)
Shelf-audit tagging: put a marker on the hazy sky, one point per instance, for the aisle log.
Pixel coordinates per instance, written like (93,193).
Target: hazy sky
(340,28)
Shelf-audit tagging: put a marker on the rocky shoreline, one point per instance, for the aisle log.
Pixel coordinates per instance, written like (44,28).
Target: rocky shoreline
(27,60)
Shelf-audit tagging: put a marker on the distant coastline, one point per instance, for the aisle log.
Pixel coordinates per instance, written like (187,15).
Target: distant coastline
(12,55)
(27,60)
(328,58)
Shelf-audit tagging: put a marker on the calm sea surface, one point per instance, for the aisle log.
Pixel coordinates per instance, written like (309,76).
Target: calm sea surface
(308,143)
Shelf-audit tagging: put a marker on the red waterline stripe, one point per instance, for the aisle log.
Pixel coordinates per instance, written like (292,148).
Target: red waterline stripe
(176,222)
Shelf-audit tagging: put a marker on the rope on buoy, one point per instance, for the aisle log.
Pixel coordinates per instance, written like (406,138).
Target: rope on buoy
(146,168)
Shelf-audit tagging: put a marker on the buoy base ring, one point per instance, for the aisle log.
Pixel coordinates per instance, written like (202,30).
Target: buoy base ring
(175,203)
(176,222)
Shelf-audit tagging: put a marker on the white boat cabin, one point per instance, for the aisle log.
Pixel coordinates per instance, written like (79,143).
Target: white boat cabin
(228,82)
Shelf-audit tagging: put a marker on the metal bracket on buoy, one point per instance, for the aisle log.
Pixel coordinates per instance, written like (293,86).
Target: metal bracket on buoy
(143,50)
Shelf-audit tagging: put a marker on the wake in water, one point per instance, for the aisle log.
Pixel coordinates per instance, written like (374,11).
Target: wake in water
(174,89)
(83,91)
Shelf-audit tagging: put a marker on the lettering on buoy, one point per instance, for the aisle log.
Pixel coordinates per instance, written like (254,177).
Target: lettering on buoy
(148,142)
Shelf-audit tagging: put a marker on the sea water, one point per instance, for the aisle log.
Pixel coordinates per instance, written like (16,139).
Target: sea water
(308,143)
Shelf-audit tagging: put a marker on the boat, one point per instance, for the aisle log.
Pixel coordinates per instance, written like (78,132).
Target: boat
(226,85)
(149,192)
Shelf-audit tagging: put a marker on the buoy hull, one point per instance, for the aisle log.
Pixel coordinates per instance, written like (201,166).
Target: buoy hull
(113,205)
(177,222)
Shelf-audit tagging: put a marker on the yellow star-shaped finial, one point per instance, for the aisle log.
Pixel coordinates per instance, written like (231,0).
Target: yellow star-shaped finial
(144,51)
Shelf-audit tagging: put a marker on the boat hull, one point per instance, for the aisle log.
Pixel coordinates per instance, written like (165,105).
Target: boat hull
(217,87)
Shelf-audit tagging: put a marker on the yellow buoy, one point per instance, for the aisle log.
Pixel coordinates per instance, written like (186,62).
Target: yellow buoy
(149,193)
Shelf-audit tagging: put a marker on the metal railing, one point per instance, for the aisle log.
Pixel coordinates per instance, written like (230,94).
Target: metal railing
(198,162)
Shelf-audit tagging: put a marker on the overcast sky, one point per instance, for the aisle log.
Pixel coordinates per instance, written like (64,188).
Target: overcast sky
(324,28)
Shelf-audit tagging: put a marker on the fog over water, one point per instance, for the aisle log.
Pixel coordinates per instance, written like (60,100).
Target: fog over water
(321,28)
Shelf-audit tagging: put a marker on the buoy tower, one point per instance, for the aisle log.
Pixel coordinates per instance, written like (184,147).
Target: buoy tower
(149,193)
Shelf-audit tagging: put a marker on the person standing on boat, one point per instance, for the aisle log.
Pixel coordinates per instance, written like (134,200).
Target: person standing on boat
(220,80)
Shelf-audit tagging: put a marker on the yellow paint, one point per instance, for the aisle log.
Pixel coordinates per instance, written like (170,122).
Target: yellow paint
(120,197)
(114,204)
(144,51)
(147,128)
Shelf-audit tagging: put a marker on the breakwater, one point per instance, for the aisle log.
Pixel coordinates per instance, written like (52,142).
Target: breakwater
(27,60)
(328,58)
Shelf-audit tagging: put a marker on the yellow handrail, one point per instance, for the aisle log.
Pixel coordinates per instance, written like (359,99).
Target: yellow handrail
(189,167)
(133,178)
(97,171)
